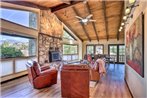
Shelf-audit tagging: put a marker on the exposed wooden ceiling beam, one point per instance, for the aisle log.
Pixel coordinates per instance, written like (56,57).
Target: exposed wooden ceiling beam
(105,19)
(64,5)
(83,27)
(25,3)
(69,27)
(121,16)
(93,24)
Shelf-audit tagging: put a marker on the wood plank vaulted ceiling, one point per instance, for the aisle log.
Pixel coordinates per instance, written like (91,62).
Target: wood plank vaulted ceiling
(108,16)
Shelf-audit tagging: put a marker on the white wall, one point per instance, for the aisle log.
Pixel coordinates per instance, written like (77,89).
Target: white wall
(136,83)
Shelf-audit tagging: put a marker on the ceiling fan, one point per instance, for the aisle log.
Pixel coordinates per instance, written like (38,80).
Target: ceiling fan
(86,20)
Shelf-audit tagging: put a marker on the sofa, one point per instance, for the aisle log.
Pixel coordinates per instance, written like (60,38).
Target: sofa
(75,81)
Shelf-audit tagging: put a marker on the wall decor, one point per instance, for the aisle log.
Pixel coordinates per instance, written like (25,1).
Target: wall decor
(135,45)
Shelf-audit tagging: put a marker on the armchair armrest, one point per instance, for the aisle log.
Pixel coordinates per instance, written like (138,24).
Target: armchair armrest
(48,71)
(43,68)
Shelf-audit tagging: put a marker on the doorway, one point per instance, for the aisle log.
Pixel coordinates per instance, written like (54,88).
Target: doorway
(117,52)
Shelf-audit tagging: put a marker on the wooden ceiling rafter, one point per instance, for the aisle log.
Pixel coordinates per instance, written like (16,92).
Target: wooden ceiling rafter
(83,27)
(64,5)
(93,24)
(25,3)
(121,16)
(69,27)
(105,18)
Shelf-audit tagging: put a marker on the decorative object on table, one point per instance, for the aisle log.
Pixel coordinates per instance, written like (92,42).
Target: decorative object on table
(135,45)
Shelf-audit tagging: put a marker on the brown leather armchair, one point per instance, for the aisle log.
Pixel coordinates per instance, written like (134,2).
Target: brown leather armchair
(38,78)
(75,81)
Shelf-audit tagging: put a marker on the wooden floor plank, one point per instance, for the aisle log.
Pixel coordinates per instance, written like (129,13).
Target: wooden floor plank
(111,86)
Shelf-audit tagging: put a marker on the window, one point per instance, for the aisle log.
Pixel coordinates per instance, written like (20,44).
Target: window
(24,18)
(70,52)
(90,49)
(66,35)
(16,46)
(70,49)
(99,49)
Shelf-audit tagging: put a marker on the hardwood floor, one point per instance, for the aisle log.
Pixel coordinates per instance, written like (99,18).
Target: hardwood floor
(111,86)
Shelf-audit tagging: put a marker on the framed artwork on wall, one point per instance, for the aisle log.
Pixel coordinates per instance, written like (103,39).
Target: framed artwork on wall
(135,45)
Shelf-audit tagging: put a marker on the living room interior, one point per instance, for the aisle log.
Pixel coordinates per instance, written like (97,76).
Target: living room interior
(73,49)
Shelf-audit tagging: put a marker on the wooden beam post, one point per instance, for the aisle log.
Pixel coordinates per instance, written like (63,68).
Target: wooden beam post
(121,16)
(25,3)
(93,24)
(84,29)
(105,19)
(64,5)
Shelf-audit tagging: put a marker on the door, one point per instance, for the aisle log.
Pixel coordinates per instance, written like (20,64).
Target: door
(117,53)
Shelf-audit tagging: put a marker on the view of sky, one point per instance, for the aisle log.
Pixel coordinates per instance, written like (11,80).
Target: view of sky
(16,16)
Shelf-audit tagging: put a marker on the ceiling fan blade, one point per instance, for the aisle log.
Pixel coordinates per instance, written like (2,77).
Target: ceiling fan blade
(79,17)
(89,16)
(92,20)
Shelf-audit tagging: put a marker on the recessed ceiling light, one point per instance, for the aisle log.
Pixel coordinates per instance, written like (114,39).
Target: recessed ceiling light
(119,30)
(125,17)
(128,10)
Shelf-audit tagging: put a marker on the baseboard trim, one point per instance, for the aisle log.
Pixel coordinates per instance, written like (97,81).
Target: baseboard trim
(129,88)
(13,78)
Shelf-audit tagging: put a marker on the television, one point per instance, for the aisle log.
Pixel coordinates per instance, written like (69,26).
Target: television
(54,56)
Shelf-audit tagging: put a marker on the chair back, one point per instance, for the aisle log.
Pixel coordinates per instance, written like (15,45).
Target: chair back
(31,72)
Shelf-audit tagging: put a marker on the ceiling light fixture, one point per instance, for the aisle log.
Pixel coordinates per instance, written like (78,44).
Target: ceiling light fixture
(125,18)
(128,10)
(132,1)
(121,27)
(122,24)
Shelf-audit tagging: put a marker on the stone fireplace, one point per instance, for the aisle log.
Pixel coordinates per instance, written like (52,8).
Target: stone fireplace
(50,36)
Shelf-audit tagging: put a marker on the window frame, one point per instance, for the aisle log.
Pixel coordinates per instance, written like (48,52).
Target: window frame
(94,45)
(15,35)
(72,45)
(20,24)
(64,29)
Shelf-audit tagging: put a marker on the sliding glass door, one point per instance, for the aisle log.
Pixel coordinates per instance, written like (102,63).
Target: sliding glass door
(117,53)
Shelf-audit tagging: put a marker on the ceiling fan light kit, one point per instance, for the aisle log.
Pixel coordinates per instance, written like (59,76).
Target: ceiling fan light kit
(86,20)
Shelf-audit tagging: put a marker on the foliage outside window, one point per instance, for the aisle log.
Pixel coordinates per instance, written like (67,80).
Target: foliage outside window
(67,36)
(90,49)
(14,46)
(24,18)
(70,49)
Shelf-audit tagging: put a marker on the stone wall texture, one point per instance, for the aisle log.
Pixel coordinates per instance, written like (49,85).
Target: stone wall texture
(51,29)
